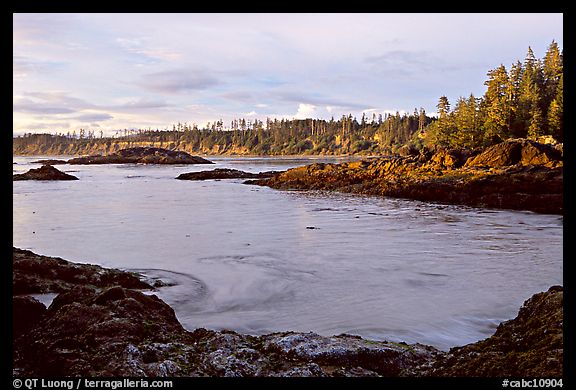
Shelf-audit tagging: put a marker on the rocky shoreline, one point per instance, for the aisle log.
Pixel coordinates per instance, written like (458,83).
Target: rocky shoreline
(108,323)
(517,174)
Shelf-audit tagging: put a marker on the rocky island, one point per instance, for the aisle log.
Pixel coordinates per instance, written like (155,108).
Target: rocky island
(143,155)
(516,174)
(225,173)
(45,172)
(107,323)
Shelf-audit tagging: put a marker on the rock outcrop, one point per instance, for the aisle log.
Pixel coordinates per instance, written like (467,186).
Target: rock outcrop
(517,174)
(521,152)
(45,172)
(529,345)
(122,332)
(143,155)
(90,330)
(225,173)
(32,274)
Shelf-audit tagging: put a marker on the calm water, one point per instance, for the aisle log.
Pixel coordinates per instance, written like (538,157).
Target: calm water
(246,258)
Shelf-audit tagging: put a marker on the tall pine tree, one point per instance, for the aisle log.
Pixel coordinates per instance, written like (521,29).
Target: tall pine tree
(496,105)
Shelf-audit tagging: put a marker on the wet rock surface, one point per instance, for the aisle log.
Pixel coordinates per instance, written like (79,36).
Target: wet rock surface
(516,174)
(101,328)
(144,155)
(225,173)
(45,172)
(33,274)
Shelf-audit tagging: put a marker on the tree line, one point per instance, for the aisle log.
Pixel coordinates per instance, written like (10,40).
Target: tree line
(380,134)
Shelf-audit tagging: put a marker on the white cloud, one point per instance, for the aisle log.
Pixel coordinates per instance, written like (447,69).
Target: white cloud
(305,111)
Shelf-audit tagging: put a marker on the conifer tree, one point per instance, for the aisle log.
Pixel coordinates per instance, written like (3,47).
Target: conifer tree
(555,117)
(552,70)
(497,106)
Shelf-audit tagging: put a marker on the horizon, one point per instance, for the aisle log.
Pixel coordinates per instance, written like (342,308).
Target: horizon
(109,72)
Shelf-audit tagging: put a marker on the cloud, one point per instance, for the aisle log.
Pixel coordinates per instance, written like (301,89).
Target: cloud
(23,66)
(140,103)
(93,117)
(318,100)
(239,96)
(178,81)
(35,107)
(409,63)
(54,102)
(38,28)
(139,47)
(305,111)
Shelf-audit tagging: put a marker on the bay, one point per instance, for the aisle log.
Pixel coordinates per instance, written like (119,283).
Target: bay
(257,260)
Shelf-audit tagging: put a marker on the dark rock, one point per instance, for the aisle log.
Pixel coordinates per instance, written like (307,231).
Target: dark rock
(145,155)
(50,162)
(111,294)
(34,273)
(45,172)
(530,345)
(407,150)
(425,155)
(225,173)
(87,333)
(26,313)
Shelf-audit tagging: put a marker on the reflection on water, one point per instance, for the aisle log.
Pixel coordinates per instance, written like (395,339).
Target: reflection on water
(245,258)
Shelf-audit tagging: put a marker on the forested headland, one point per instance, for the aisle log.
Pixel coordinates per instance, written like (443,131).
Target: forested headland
(522,101)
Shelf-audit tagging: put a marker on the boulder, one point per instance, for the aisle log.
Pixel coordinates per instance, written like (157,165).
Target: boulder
(450,158)
(516,151)
(45,172)
(86,332)
(407,150)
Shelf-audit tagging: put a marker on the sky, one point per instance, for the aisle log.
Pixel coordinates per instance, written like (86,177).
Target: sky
(106,72)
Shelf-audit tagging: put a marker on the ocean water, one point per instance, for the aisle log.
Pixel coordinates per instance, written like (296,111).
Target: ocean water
(258,260)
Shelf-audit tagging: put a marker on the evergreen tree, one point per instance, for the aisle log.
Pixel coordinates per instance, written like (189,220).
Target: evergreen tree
(465,116)
(555,117)
(530,100)
(516,125)
(497,106)
(552,70)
